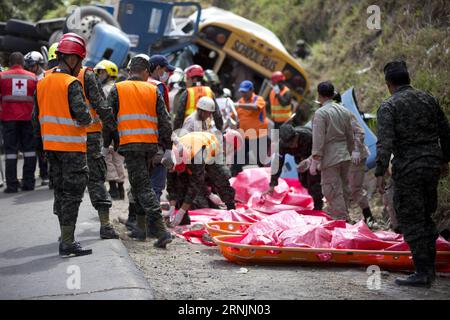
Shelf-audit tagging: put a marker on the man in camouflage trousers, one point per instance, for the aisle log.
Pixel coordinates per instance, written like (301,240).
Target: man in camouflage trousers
(413,127)
(143,123)
(102,115)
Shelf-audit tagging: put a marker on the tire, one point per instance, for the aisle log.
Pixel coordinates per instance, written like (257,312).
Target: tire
(23,29)
(87,11)
(55,37)
(2,28)
(12,44)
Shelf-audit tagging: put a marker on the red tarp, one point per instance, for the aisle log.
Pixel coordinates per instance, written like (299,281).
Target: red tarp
(286,219)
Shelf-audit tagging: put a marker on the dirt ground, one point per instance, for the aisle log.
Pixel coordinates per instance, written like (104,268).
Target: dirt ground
(195,272)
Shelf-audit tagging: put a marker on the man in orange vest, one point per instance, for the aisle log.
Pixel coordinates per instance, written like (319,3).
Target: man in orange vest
(253,124)
(17,87)
(143,124)
(101,113)
(60,119)
(189,98)
(197,156)
(279,100)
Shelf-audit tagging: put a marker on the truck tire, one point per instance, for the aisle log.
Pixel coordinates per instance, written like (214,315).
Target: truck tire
(55,37)
(12,43)
(90,16)
(23,29)
(2,28)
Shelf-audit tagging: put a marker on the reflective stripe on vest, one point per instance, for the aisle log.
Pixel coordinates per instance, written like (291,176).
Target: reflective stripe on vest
(137,118)
(279,113)
(96,125)
(194,94)
(59,131)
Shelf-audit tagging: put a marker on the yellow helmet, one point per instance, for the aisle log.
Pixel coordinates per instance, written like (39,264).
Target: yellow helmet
(109,66)
(52,51)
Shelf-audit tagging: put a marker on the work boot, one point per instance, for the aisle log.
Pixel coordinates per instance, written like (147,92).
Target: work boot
(163,240)
(136,234)
(107,232)
(368,218)
(417,279)
(73,249)
(121,191)
(11,190)
(139,231)
(113,191)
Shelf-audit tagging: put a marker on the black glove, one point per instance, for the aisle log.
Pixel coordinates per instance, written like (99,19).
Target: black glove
(116,140)
(107,138)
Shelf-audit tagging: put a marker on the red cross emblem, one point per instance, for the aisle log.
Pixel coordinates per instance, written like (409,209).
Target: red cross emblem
(19,84)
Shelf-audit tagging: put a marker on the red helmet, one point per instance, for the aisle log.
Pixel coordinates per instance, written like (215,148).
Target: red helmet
(278,76)
(194,71)
(71,43)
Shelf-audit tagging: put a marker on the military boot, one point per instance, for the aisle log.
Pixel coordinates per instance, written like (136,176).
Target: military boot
(417,279)
(73,249)
(368,218)
(139,232)
(164,236)
(107,232)
(68,247)
(113,191)
(121,191)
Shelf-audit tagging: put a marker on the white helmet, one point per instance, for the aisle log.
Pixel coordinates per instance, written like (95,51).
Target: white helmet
(206,104)
(33,57)
(140,55)
(177,76)
(226,93)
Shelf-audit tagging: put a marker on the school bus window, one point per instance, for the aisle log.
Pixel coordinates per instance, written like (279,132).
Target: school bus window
(215,35)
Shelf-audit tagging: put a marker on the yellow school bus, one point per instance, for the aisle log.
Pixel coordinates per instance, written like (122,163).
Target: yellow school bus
(238,49)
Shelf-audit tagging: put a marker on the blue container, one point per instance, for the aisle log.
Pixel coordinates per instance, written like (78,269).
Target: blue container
(107,42)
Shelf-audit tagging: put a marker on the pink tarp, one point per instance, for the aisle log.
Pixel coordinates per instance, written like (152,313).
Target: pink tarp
(286,219)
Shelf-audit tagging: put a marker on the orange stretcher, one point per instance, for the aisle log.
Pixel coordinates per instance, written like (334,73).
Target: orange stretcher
(221,228)
(238,253)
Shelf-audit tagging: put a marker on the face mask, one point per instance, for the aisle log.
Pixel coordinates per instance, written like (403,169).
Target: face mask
(164,77)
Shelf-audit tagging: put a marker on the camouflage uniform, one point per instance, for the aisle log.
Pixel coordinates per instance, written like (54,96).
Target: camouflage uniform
(181,109)
(302,152)
(68,170)
(413,127)
(98,194)
(192,188)
(139,156)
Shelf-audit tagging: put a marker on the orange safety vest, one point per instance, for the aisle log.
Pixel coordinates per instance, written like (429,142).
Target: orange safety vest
(58,130)
(96,125)
(195,141)
(194,94)
(279,113)
(137,118)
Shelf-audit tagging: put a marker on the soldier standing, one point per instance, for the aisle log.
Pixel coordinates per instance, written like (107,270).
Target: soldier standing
(101,113)
(333,143)
(60,118)
(413,127)
(143,123)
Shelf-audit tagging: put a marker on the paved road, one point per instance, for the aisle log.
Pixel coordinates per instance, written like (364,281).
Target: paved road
(30,267)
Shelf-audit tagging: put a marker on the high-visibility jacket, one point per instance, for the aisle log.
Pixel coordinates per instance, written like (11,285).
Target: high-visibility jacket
(58,129)
(96,125)
(253,123)
(137,118)
(195,141)
(17,87)
(165,93)
(194,94)
(279,113)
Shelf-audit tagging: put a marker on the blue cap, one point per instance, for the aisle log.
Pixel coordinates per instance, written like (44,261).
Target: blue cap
(162,61)
(246,86)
